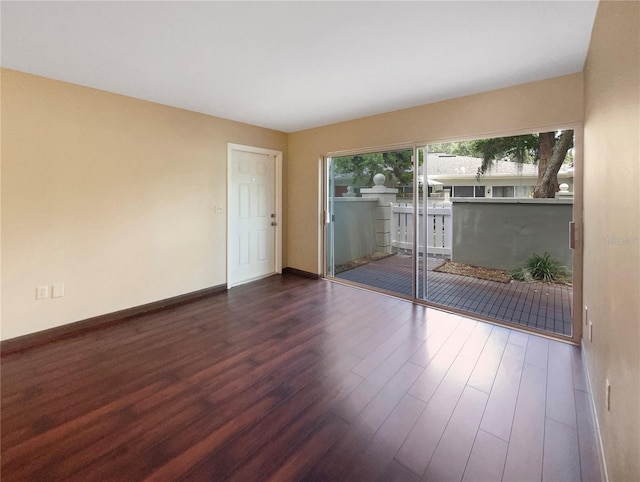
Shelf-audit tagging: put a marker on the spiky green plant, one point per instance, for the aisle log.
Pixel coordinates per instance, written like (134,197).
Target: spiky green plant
(541,268)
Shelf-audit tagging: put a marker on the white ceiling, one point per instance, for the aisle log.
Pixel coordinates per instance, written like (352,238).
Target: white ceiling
(295,65)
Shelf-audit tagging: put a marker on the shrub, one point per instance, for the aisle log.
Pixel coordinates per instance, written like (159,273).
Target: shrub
(541,268)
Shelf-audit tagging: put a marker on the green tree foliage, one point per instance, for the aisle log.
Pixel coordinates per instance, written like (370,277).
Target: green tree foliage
(400,165)
(549,150)
(361,167)
(520,149)
(395,165)
(463,148)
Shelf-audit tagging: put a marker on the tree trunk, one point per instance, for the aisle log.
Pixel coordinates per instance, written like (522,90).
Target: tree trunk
(552,155)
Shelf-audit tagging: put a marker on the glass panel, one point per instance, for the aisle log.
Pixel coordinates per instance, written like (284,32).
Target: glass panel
(370,234)
(390,226)
(332,189)
(490,267)
(436,227)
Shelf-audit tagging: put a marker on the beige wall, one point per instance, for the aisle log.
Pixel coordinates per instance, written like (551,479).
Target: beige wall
(611,230)
(555,102)
(110,195)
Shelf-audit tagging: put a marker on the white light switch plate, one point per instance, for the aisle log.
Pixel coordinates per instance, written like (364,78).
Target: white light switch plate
(58,290)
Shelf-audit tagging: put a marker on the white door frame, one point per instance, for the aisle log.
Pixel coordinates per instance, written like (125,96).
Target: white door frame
(278,203)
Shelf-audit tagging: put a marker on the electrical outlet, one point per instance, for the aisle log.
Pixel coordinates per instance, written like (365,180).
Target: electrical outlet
(607,395)
(42,292)
(58,290)
(590,330)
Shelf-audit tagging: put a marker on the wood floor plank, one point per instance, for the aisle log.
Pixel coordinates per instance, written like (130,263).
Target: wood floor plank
(560,393)
(57,409)
(314,374)
(309,451)
(485,370)
(452,454)
(588,447)
(149,327)
(416,451)
(561,453)
(363,427)
(421,443)
(267,443)
(227,417)
(397,472)
(371,344)
(381,353)
(518,338)
(188,423)
(498,415)
(438,336)
(430,379)
(579,375)
(387,440)
(486,461)
(225,403)
(360,398)
(376,412)
(339,460)
(290,378)
(537,352)
(524,458)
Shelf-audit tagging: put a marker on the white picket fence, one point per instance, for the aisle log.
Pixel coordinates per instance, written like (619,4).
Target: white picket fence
(439,229)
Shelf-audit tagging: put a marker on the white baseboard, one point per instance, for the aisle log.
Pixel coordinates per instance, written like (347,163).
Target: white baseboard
(603,462)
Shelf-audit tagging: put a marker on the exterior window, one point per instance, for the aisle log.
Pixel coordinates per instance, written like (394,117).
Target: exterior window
(462,191)
(467,191)
(524,191)
(503,191)
(513,191)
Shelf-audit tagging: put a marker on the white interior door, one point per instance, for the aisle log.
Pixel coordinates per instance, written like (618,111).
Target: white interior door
(253,222)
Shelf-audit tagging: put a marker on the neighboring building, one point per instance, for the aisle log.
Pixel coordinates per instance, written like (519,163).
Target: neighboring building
(458,174)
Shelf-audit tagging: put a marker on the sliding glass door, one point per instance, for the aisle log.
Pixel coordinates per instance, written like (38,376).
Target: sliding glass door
(467,226)
(370,225)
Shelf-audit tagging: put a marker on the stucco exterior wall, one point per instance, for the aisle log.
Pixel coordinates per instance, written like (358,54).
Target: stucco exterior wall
(354,228)
(502,233)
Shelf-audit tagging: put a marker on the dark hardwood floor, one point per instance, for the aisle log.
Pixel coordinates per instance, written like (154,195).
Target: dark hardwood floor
(295,379)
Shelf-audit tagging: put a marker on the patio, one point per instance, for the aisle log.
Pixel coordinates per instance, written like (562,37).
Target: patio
(541,306)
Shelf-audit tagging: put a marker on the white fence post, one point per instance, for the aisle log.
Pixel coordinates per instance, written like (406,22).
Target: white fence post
(439,229)
(385,197)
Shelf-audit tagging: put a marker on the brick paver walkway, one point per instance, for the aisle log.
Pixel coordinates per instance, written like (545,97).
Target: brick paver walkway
(542,306)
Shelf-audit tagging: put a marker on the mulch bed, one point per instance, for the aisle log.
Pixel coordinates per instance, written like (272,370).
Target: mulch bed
(356,263)
(490,274)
